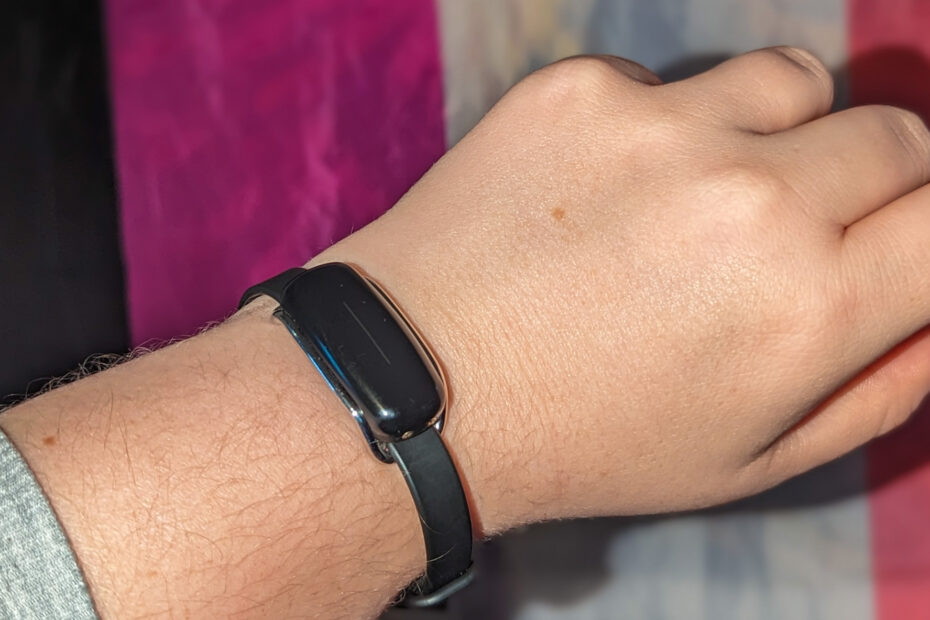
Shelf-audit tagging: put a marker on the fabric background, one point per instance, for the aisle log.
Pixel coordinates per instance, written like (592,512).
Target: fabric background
(249,136)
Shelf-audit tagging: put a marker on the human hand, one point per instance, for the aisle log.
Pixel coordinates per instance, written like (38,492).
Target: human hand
(646,297)
(660,297)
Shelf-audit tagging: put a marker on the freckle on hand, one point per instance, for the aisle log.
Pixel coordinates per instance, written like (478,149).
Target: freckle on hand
(49,441)
(558,214)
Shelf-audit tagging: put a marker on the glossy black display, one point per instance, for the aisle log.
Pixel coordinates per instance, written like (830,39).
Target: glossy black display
(365,350)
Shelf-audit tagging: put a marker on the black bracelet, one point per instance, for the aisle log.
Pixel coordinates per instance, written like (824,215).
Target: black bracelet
(384,373)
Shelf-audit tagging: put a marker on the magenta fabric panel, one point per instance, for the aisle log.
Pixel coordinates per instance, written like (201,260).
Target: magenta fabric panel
(251,135)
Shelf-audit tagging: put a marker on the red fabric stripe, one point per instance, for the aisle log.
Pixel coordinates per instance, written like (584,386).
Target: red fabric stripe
(890,52)
(251,135)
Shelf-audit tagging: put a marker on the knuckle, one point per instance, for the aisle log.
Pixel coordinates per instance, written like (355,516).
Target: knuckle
(796,61)
(589,70)
(582,75)
(577,88)
(910,132)
(804,59)
(892,413)
(750,189)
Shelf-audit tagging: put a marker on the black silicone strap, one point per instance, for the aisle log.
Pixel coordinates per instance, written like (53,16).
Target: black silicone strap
(440,500)
(273,287)
(435,486)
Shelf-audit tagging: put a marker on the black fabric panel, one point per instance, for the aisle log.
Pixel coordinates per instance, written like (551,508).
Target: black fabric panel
(60,264)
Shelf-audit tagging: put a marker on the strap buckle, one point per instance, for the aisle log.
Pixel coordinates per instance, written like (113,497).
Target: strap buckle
(415,600)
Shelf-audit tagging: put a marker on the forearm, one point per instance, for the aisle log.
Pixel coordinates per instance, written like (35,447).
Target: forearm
(219,476)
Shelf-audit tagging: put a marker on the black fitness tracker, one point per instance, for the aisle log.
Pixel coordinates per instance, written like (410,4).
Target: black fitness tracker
(384,373)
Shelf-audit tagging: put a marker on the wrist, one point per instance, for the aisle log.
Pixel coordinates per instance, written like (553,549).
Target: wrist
(217,473)
(489,444)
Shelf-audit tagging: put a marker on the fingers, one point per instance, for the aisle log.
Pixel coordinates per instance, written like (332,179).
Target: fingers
(887,262)
(765,91)
(851,163)
(877,401)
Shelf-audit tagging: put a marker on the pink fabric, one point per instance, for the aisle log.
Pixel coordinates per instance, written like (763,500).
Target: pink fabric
(890,63)
(251,135)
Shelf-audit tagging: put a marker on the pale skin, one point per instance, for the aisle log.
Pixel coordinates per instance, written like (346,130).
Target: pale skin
(646,298)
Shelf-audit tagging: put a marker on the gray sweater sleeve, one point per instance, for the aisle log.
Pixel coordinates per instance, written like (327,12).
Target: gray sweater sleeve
(39,575)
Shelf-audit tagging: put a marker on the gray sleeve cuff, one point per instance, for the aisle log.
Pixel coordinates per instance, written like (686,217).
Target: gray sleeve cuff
(39,575)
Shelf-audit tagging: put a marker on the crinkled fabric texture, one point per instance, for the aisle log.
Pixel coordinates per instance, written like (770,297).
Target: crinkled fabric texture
(39,575)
